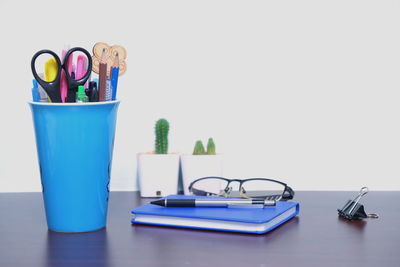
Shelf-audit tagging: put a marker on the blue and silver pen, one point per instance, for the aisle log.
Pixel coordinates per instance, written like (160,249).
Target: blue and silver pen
(211,202)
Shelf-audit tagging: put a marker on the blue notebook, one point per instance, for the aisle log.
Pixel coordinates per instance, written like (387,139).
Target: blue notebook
(246,220)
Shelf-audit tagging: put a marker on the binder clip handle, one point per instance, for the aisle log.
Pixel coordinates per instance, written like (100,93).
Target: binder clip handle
(364,190)
(353,210)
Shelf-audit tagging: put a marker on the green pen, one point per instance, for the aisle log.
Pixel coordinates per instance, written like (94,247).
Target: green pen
(81,96)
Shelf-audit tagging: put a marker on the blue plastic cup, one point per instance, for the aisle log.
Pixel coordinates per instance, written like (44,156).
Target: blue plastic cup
(75,144)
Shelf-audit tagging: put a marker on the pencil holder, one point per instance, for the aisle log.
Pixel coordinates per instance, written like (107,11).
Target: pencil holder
(75,144)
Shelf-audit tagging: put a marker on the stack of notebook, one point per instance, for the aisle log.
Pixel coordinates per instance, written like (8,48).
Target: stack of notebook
(237,219)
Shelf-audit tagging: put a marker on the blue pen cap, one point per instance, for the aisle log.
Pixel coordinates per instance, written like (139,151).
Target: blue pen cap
(35,91)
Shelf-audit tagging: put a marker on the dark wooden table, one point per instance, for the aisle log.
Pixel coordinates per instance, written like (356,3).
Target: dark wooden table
(317,237)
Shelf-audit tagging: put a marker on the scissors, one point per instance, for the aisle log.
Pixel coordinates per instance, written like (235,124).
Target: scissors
(53,88)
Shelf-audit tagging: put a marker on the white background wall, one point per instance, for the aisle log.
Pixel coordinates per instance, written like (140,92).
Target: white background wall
(302,91)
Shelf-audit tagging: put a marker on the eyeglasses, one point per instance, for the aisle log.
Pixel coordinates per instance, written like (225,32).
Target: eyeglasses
(248,188)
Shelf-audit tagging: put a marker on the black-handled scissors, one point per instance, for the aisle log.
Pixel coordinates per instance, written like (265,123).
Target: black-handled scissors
(53,88)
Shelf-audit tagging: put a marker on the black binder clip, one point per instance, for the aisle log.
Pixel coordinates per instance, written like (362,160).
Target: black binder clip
(354,210)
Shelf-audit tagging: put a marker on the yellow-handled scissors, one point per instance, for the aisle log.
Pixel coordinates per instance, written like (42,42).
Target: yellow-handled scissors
(52,88)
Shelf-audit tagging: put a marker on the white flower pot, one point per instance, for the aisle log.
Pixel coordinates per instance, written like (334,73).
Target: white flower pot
(158,174)
(197,166)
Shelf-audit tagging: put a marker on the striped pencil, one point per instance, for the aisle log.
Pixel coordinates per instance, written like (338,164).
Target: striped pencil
(102,76)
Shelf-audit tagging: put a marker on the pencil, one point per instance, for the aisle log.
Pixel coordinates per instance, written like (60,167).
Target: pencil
(114,76)
(102,76)
(116,61)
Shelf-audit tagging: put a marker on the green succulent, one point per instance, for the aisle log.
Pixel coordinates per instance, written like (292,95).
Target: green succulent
(199,148)
(210,147)
(161,131)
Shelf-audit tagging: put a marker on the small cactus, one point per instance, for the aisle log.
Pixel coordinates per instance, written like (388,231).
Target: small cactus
(161,131)
(199,148)
(210,147)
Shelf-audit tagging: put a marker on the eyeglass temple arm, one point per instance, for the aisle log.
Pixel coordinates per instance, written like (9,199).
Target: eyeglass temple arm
(289,191)
(198,192)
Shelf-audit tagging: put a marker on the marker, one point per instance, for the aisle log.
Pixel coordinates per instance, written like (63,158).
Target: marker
(63,83)
(92,92)
(211,202)
(50,69)
(88,91)
(81,97)
(80,67)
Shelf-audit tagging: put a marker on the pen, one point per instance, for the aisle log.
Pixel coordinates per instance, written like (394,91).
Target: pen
(73,73)
(207,202)
(42,93)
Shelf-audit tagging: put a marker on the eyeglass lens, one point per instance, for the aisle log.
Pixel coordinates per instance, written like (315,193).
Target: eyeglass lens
(262,188)
(251,188)
(211,185)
